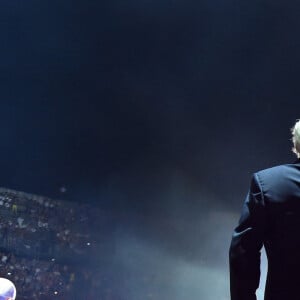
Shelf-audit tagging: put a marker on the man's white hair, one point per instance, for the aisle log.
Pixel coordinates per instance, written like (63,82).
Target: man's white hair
(296,138)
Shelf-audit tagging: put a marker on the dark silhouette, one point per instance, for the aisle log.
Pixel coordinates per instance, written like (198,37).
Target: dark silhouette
(270,218)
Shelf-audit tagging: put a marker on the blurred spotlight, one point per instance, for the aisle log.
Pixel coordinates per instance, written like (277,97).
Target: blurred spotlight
(7,289)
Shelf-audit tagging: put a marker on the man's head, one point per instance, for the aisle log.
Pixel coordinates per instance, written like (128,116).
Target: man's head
(7,290)
(296,138)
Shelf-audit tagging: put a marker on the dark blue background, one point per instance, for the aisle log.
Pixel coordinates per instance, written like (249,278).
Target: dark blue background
(159,109)
(112,95)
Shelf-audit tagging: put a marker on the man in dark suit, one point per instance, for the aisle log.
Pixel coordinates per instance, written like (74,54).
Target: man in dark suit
(270,218)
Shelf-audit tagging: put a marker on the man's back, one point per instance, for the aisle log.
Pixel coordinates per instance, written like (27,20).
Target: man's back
(270,217)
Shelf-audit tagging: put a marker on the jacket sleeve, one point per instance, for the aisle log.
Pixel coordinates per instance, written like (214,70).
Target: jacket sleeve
(246,245)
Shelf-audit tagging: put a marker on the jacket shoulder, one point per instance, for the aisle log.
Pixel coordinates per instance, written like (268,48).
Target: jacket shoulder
(273,170)
(279,177)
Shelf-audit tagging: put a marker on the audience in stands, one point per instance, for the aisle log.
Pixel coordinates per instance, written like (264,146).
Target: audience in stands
(45,246)
(27,222)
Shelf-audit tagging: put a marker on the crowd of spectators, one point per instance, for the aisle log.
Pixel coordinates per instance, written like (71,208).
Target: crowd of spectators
(46,227)
(45,246)
(43,279)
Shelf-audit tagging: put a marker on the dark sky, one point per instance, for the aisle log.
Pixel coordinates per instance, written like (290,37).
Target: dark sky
(114,99)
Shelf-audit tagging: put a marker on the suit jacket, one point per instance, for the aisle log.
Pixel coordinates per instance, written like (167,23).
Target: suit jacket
(270,218)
